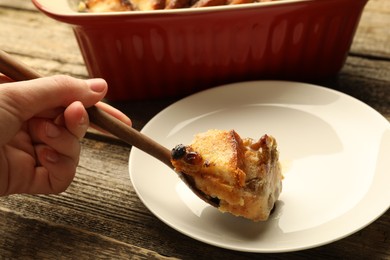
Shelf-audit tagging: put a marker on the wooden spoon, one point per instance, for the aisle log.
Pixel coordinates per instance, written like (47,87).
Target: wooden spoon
(18,71)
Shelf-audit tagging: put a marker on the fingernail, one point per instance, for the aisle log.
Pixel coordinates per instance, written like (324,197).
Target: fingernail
(52,130)
(82,121)
(83,125)
(52,156)
(97,85)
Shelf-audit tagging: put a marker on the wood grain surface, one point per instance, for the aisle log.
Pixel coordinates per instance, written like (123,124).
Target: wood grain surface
(100,216)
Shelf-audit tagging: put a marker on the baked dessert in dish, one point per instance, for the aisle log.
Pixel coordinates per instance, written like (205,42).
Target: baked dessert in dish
(145,5)
(244,175)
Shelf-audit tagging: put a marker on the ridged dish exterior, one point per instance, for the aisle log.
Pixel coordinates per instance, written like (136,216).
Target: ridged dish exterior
(176,54)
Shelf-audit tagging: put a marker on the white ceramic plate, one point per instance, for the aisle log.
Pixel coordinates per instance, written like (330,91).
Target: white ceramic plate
(334,150)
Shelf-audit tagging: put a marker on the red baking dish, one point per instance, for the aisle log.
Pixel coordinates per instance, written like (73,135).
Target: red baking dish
(172,53)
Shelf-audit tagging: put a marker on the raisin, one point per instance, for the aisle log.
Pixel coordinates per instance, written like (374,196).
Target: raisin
(193,158)
(178,152)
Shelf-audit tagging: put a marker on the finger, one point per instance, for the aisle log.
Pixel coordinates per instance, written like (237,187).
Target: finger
(55,173)
(22,141)
(76,119)
(44,131)
(46,172)
(59,120)
(50,92)
(4,79)
(114,112)
(53,176)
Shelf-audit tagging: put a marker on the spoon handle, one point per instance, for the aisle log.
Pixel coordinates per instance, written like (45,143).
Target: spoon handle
(18,71)
(15,69)
(129,135)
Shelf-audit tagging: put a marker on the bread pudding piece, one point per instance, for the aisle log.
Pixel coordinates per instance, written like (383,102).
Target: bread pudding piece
(243,174)
(94,6)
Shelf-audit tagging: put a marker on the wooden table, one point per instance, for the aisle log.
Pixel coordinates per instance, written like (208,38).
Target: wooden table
(100,216)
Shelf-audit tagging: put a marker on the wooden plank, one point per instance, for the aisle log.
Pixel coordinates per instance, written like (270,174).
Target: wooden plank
(41,42)
(367,80)
(18,4)
(42,240)
(101,203)
(373,35)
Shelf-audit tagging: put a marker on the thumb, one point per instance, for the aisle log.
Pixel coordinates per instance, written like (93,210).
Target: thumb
(25,99)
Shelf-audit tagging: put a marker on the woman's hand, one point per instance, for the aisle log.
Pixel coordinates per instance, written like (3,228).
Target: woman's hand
(41,124)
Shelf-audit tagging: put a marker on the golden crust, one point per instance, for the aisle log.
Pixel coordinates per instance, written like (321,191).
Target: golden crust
(243,174)
(105,5)
(223,150)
